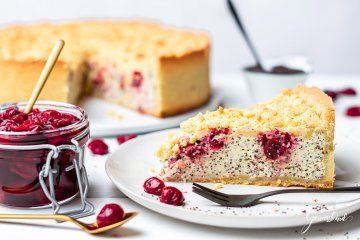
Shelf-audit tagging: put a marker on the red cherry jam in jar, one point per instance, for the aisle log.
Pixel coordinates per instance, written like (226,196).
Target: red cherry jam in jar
(26,141)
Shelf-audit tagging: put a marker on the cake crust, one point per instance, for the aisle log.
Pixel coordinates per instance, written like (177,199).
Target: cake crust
(319,99)
(19,79)
(195,84)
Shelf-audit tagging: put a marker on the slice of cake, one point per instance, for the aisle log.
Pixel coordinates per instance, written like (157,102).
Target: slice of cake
(287,141)
(143,66)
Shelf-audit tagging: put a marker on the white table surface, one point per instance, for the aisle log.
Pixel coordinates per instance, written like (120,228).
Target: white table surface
(151,225)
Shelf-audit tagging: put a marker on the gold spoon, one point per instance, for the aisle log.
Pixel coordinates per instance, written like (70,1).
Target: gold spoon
(49,66)
(91,228)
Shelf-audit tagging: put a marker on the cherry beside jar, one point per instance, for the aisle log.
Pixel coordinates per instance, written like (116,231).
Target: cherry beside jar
(37,166)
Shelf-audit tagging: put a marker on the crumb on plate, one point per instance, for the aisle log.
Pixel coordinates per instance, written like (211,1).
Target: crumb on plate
(114,114)
(217,186)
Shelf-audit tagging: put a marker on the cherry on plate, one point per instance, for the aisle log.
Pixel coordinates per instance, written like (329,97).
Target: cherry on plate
(172,196)
(353,111)
(331,94)
(348,91)
(122,139)
(154,186)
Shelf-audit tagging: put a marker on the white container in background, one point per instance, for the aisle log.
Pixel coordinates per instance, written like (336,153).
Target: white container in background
(264,86)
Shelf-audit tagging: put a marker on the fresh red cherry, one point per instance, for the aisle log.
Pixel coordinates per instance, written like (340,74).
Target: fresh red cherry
(172,196)
(111,213)
(353,111)
(216,131)
(216,144)
(225,130)
(348,91)
(137,79)
(154,186)
(331,94)
(98,146)
(122,139)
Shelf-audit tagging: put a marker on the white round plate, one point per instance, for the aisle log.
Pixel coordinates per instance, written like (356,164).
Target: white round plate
(108,119)
(131,165)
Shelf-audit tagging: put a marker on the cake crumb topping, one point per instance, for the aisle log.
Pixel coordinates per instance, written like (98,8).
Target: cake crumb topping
(217,186)
(295,110)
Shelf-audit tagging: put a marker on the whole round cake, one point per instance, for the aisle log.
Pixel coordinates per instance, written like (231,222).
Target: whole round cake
(143,66)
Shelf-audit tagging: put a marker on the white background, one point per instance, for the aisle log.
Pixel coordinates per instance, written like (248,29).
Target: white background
(325,31)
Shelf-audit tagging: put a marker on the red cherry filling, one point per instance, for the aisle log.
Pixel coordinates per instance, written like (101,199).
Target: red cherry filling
(24,170)
(217,131)
(194,150)
(14,120)
(353,111)
(122,83)
(122,139)
(172,196)
(111,213)
(275,143)
(141,110)
(137,79)
(100,76)
(274,149)
(98,146)
(20,182)
(154,186)
(209,141)
(216,144)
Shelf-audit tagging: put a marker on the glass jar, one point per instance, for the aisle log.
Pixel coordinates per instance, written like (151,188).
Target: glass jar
(37,168)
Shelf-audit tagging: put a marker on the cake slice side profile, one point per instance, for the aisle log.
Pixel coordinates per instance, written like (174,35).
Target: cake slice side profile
(287,141)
